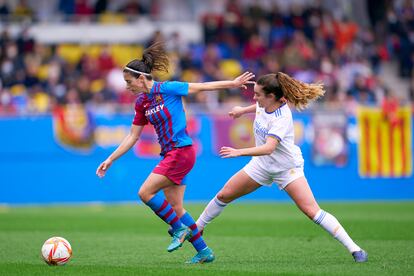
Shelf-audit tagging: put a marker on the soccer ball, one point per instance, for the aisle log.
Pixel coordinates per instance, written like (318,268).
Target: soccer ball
(56,251)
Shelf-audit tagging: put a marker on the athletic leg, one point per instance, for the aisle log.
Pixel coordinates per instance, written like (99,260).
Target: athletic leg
(302,195)
(174,195)
(237,186)
(149,193)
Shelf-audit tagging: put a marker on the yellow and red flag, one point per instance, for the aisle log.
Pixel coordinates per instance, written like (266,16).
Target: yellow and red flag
(385,146)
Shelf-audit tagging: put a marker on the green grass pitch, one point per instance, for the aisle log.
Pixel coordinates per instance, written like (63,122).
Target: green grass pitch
(248,238)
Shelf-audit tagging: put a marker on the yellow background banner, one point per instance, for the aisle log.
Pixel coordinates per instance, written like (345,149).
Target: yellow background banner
(384,146)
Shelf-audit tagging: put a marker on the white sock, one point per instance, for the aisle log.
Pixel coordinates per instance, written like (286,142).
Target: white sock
(212,210)
(333,227)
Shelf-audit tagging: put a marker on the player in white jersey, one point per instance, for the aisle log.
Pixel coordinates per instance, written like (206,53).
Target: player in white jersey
(286,157)
(275,158)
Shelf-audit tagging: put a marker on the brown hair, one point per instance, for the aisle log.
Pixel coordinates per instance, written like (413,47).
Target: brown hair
(295,91)
(154,58)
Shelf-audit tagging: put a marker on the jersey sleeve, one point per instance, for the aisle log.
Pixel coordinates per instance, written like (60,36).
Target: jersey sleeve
(139,118)
(174,88)
(279,128)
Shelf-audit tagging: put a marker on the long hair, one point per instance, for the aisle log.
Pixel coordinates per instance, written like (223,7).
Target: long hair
(295,91)
(154,58)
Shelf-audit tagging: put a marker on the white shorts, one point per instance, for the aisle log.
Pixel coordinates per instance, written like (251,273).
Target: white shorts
(266,178)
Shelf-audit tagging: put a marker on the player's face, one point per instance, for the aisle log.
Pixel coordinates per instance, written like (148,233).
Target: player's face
(261,98)
(133,84)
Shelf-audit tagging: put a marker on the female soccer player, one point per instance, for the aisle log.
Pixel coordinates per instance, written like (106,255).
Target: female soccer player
(160,104)
(275,157)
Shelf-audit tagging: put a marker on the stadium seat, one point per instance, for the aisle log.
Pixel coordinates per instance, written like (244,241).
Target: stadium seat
(17,90)
(112,18)
(43,72)
(123,54)
(93,50)
(70,52)
(41,102)
(230,68)
(189,76)
(97,86)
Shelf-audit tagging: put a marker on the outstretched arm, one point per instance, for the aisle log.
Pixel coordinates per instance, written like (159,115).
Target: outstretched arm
(237,111)
(266,149)
(125,145)
(240,81)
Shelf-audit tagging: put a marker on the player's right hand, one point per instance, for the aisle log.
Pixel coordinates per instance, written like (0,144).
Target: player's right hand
(103,167)
(243,80)
(236,112)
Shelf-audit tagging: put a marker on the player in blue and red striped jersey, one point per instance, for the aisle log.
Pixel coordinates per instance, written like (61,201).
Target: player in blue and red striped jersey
(160,104)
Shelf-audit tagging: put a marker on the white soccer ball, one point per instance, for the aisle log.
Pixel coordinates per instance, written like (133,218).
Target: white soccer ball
(56,251)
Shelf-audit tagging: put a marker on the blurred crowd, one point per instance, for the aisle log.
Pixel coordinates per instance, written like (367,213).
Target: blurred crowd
(308,41)
(68,10)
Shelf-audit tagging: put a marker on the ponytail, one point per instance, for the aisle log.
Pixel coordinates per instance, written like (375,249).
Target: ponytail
(154,58)
(297,92)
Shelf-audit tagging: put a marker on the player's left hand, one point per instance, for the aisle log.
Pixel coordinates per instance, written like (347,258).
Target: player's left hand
(227,152)
(244,79)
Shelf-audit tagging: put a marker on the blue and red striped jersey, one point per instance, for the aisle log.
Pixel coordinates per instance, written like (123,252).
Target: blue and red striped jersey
(163,108)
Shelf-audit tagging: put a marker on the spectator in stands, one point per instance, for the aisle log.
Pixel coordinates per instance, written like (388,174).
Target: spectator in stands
(133,7)
(83,8)
(254,49)
(22,9)
(7,106)
(176,44)
(309,42)
(101,6)
(4,8)
(361,92)
(389,107)
(157,36)
(25,41)
(67,6)
(105,60)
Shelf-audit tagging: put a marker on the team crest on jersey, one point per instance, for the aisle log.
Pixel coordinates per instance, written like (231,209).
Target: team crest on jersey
(158,99)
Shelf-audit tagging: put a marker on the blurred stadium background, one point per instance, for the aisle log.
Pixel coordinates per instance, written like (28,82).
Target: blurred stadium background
(64,109)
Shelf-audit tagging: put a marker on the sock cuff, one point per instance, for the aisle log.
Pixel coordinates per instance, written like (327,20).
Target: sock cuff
(320,215)
(219,202)
(156,202)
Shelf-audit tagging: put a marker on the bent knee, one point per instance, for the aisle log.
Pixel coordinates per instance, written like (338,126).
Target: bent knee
(144,195)
(225,197)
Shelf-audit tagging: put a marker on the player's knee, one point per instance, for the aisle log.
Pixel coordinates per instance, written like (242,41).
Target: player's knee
(143,195)
(225,197)
(178,208)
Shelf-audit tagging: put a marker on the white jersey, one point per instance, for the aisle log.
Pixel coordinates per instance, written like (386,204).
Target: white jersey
(278,124)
